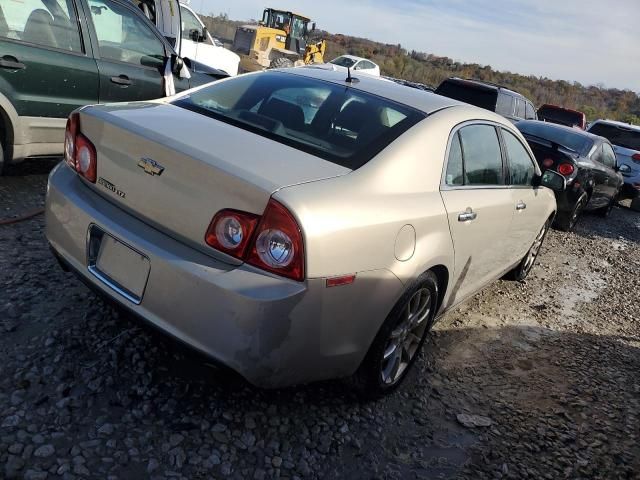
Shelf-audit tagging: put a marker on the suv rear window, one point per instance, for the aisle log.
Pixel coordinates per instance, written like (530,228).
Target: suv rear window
(469,93)
(334,122)
(620,136)
(560,116)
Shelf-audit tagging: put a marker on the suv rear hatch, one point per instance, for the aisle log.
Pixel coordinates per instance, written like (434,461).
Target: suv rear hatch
(174,169)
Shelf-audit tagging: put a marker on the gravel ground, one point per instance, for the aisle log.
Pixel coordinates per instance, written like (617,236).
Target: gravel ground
(526,380)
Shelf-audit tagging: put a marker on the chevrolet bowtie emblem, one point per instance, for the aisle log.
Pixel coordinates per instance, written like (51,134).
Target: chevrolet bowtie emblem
(150,166)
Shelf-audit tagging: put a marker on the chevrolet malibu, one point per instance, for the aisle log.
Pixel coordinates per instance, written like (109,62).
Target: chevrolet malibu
(297,225)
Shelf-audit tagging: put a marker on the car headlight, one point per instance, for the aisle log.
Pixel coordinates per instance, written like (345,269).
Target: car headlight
(281,38)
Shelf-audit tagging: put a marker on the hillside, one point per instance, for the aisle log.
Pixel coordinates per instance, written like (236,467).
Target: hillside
(595,101)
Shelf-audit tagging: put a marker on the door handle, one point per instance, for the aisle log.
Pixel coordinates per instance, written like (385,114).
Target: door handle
(11,63)
(467,215)
(521,205)
(121,80)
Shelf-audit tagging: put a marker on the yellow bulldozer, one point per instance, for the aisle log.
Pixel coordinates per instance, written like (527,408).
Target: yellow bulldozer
(281,39)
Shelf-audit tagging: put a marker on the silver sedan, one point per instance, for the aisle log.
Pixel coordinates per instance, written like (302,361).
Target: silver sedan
(297,225)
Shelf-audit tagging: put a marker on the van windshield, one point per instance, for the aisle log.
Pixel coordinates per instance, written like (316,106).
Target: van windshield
(332,121)
(469,93)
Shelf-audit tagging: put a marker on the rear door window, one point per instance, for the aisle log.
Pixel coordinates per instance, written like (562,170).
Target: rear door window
(505,105)
(52,24)
(521,166)
(482,155)
(530,112)
(608,156)
(520,108)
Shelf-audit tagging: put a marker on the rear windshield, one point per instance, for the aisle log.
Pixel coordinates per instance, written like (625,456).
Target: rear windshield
(469,93)
(335,122)
(560,116)
(574,140)
(620,136)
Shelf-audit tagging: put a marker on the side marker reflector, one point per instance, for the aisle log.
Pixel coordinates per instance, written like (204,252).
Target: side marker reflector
(339,281)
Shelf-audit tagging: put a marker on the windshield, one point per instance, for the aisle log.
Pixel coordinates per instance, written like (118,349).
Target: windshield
(332,121)
(469,93)
(343,62)
(620,136)
(572,139)
(561,116)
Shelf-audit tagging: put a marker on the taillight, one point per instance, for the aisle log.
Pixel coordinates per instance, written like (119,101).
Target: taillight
(278,245)
(79,152)
(272,242)
(547,163)
(86,164)
(565,169)
(70,139)
(230,231)
(636,157)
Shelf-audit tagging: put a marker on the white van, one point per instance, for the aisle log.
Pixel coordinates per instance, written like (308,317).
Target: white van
(186,32)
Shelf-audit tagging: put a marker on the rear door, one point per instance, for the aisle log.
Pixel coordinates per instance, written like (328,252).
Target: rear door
(130,52)
(614,179)
(528,212)
(46,69)
(601,179)
(479,207)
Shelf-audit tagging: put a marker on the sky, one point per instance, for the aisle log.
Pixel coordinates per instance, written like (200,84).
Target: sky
(592,42)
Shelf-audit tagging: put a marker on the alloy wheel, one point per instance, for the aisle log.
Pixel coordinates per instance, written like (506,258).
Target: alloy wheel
(534,250)
(405,339)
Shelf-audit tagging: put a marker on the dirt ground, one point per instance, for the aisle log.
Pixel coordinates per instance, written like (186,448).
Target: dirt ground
(552,365)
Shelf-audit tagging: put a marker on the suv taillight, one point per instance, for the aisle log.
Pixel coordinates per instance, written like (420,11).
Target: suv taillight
(272,242)
(79,152)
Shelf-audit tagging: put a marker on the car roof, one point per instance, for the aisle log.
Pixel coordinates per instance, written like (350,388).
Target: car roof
(422,100)
(628,126)
(556,126)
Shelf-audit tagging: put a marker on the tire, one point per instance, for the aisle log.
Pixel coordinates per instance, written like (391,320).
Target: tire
(567,221)
(635,204)
(522,270)
(604,212)
(385,366)
(281,62)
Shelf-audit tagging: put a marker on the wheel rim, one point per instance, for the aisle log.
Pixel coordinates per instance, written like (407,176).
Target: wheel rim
(404,341)
(534,250)
(577,210)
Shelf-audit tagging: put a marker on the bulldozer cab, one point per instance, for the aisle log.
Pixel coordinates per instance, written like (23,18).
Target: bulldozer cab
(294,26)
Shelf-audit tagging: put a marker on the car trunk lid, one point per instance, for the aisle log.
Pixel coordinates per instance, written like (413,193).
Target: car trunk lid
(174,169)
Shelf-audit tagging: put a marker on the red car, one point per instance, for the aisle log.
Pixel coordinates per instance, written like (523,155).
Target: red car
(562,116)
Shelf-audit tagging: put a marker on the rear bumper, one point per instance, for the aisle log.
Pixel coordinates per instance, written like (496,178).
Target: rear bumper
(273,331)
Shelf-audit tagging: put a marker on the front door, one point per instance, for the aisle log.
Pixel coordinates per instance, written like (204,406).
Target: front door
(479,209)
(131,53)
(46,70)
(528,212)
(600,195)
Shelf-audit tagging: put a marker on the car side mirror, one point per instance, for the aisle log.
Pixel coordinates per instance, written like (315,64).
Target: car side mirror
(553,180)
(177,63)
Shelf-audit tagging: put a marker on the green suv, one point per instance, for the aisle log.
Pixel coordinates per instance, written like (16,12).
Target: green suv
(57,55)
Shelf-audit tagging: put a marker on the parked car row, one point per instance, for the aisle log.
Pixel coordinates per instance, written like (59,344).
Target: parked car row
(296,225)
